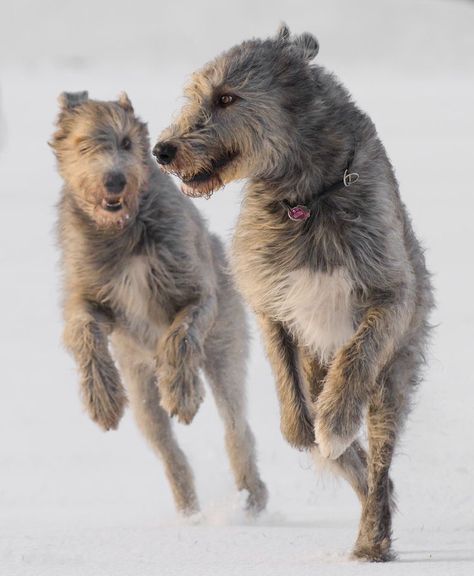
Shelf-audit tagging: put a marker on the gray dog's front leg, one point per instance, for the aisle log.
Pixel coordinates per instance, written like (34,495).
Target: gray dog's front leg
(352,375)
(181,355)
(296,422)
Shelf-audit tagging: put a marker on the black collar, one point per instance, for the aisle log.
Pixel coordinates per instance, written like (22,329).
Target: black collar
(300,212)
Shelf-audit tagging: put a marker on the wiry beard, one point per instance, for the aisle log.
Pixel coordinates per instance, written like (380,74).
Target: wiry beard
(202,185)
(206,178)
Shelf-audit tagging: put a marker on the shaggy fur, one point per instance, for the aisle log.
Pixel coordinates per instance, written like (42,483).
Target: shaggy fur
(142,273)
(343,297)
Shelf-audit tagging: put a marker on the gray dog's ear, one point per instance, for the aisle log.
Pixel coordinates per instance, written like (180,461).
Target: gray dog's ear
(283,32)
(124,102)
(308,44)
(68,100)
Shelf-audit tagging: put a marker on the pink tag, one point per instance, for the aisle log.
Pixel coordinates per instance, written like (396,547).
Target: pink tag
(299,213)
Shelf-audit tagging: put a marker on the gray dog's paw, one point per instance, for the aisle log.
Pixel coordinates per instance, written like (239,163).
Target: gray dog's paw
(338,420)
(331,445)
(378,552)
(336,428)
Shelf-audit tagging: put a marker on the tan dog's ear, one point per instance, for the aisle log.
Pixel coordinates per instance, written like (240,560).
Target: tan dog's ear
(124,102)
(69,100)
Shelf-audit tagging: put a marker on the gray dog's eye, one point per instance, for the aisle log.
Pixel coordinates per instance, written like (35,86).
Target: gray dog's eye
(226,100)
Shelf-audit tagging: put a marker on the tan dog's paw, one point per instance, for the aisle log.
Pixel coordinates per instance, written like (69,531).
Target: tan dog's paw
(104,398)
(181,349)
(181,393)
(179,358)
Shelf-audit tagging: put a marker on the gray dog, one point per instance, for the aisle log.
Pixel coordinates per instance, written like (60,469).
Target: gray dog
(324,252)
(141,271)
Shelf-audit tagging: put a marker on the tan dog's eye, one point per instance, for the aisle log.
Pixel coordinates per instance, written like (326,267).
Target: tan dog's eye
(126,143)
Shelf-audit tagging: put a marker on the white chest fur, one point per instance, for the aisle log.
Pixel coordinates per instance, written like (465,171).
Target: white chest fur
(317,309)
(131,293)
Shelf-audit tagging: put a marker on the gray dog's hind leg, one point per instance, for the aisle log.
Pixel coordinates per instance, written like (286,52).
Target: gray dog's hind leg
(155,425)
(374,540)
(226,377)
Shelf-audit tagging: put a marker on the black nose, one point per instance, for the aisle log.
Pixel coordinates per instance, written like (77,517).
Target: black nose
(115,182)
(164,152)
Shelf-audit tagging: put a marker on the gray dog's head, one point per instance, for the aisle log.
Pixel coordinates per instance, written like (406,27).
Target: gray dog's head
(243,112)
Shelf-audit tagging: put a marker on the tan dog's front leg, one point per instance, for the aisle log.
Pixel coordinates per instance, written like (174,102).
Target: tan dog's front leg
(180,356)
(85,336)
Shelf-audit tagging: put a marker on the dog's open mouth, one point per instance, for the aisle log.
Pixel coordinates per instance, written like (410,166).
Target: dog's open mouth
(112,204)
(205,182)
(113,211)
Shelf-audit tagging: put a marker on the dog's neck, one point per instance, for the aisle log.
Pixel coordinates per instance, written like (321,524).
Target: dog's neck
(318,147)
(313,173)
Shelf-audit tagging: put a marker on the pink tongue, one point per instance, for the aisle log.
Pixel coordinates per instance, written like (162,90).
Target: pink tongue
(299,213)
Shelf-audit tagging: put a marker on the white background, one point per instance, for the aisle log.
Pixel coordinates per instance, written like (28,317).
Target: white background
(76,501)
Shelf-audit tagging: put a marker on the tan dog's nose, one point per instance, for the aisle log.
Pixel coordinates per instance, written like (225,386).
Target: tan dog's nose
(115,182)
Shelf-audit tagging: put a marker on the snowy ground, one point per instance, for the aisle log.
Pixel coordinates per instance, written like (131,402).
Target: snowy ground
(75,501)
